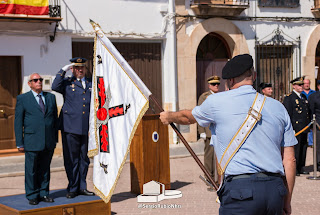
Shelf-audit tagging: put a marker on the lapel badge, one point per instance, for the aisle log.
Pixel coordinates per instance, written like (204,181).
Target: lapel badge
(72,85)
(297,101)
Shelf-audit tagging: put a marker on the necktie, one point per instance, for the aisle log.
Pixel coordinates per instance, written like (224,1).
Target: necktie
(41,103)
(82,83)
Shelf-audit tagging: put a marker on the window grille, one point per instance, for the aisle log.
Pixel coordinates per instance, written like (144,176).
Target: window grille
(278,61)
(279,3)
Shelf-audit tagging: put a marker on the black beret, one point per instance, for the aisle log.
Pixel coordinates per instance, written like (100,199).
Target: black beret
(78,61)
(264,85)
(237,66)
(298,80)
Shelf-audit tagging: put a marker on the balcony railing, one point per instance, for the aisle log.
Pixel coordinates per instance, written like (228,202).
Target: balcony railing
(32,9)
(219,2)
(219,7)
(317,4)
(54,8)
(279,3)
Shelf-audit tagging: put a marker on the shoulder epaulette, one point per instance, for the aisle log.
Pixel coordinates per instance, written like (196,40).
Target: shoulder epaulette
(287,94)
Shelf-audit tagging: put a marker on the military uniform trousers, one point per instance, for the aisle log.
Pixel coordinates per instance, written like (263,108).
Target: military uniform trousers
(76,161)
(257,194)
(300,151)
(209,158)
(318,148)
(37,173)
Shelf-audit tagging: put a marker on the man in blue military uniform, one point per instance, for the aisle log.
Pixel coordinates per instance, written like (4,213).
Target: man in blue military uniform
(255,169)
(74,118)
(297,106)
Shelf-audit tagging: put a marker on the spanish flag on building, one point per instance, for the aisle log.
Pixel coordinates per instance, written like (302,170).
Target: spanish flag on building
(28,7)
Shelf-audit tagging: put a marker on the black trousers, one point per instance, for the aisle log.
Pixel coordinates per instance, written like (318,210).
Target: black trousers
(300,151)
(318,147)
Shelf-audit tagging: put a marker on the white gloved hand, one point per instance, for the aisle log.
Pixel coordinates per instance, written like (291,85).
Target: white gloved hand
(67,67)
(203,136)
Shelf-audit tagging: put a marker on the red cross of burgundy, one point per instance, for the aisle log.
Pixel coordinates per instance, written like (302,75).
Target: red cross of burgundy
(103,113)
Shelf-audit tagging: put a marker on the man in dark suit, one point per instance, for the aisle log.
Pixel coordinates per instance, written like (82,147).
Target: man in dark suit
(297,106)
(314,101)
(35,127)
(74,117)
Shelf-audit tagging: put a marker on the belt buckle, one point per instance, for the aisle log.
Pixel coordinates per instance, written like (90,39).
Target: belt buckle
(255,114)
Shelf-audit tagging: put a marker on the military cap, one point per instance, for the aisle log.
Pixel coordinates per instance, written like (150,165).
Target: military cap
(78,61)
(264,85)
(298,80)
(237,66)
(214,80)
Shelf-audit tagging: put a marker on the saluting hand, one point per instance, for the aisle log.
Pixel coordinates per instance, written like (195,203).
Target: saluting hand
(67,67)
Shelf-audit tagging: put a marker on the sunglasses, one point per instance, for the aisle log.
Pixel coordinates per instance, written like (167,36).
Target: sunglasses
(36,80)
(214,84)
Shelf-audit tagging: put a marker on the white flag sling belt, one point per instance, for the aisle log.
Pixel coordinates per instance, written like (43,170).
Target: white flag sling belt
(253,116)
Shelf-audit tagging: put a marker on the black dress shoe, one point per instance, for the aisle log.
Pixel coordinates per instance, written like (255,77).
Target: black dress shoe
(86,192)
(33,201)
(71,195)
(304,173)
(297,174)
(46,199)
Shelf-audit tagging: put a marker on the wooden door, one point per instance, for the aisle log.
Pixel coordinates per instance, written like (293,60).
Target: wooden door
(144,58)
(10,87)
(212,55)
(84,49)
(206,69)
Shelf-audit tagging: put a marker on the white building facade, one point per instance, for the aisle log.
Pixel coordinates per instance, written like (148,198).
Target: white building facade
(173,45)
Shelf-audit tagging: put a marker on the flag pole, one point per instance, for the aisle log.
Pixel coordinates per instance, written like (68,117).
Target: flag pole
(195,157)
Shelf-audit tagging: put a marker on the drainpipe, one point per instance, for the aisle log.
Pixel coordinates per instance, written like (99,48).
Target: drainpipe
(173,53)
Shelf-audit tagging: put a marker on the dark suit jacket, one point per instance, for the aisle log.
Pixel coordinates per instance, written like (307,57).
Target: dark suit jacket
(298,110)
(314,101)
(74,115)
(34,130)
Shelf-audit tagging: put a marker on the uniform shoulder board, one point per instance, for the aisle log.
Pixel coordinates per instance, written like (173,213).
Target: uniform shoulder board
(287,94)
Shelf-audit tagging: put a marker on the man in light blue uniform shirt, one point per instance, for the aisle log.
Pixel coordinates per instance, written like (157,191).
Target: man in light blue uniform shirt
(260,177)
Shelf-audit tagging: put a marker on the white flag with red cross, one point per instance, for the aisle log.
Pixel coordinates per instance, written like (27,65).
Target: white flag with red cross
(119,99)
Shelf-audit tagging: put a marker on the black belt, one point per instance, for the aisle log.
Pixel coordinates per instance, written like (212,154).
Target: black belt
(249,175)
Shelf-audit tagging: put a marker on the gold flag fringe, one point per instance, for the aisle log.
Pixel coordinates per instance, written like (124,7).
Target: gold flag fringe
(106,199)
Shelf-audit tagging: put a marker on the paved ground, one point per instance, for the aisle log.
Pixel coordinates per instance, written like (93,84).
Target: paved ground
(184,177)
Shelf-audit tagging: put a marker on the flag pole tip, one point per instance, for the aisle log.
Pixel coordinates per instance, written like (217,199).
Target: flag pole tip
(91,21)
